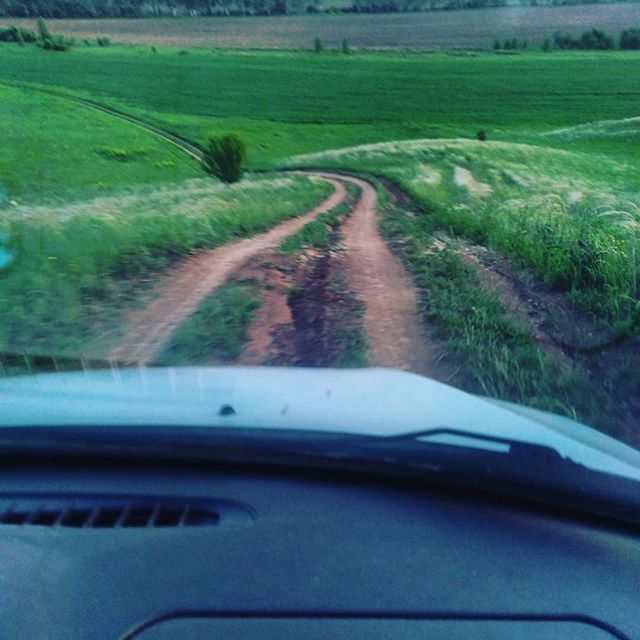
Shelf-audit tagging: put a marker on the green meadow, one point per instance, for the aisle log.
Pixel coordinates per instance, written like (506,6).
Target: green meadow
(287,103)
(53,149)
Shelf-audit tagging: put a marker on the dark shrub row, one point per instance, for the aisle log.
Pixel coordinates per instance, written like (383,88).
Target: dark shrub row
(592,40)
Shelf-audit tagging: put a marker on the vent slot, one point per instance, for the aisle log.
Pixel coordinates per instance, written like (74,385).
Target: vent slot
(109,512)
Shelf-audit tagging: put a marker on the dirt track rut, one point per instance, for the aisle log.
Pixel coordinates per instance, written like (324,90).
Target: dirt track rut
(377,277)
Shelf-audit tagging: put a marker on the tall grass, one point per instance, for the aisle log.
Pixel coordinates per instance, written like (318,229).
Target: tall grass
(572,218)
(498,358)
(586,250)
(75,264)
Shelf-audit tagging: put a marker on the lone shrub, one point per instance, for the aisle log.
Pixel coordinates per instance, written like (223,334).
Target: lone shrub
(318,47)
(345,46)
(103,41)
(481,135)
(224,157)
(43,31)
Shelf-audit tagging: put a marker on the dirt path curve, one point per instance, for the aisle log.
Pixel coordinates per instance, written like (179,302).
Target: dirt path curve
(182,291)
(375,274)
(378,279)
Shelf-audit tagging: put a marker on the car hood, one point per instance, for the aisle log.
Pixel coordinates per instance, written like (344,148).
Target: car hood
(376,402)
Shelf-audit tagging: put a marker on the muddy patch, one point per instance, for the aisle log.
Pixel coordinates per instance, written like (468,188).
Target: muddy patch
(308,316)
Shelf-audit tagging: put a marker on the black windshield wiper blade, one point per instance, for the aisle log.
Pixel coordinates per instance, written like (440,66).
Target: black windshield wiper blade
(520,470)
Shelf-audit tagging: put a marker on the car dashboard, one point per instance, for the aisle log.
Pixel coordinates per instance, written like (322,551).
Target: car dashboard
(154,550)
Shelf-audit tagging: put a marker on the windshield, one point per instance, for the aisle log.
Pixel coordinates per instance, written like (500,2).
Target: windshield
(440,187)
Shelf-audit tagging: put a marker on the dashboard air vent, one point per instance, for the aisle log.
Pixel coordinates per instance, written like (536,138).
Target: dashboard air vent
(109,512)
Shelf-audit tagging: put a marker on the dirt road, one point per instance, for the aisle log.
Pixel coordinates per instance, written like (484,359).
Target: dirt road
(394,333)
(377,278)
(182,291)
(373,274)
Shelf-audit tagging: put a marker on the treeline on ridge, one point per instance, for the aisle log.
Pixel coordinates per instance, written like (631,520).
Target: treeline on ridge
(151,8)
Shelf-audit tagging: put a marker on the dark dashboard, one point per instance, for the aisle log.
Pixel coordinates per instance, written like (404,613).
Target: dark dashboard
(265,553)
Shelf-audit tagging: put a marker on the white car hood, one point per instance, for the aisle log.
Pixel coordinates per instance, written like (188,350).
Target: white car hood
(377,402)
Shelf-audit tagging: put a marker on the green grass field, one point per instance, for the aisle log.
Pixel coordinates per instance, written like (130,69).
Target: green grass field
(554,188)
(52,149)
(293,103)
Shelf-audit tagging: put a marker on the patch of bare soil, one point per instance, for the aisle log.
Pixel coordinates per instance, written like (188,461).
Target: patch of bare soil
(180,293)
(270,333)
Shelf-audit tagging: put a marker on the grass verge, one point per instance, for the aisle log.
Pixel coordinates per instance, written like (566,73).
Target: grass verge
(497,358)
(572,217)
(217,330)
(318,234)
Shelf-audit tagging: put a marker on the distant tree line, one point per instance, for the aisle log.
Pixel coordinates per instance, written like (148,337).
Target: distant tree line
(592,40)
(150,8)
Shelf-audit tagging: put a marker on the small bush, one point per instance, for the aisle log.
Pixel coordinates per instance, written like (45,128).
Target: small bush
(318,47)
(183,52)
(27,34)
(224,157)
(345,46)
(19,35)
(630,39)
(103,41)
(496,45)
(481,135)
(597,40)
(546,45)
(8,34)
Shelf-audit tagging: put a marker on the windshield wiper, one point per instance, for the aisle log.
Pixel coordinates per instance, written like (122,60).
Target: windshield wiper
(439,457)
